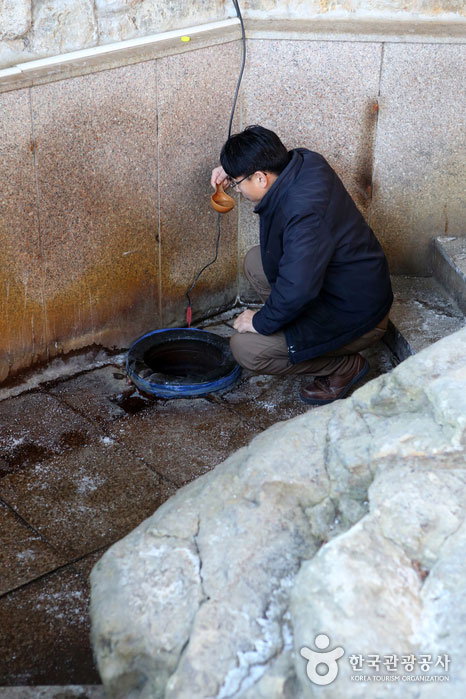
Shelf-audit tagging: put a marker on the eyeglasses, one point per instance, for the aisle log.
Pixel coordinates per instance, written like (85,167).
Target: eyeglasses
(234,184)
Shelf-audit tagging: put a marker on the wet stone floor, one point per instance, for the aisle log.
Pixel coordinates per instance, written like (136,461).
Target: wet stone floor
(83,460)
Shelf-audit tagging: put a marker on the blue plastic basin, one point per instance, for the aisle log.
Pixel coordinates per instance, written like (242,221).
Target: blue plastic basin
(181,363)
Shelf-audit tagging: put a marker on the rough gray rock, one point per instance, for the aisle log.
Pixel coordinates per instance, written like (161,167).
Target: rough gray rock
(31,29)
(15,18)
(119,20)
(394,583)
(53,692)
(60,26)
(347,521)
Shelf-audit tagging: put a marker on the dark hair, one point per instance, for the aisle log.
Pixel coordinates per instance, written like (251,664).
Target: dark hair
(255,148)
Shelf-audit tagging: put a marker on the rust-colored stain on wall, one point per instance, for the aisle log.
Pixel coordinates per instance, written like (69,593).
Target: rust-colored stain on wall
(80,223)
(365,160)
(100,246)
(107,304)
(22,332)
(22,324)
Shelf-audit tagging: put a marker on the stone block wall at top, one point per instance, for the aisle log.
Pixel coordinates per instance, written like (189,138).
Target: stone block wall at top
(31,29)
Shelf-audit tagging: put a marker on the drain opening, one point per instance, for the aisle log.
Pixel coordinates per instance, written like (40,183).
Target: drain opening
(184,358)
(181,362)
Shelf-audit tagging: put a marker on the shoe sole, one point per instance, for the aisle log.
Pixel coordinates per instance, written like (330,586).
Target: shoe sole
(358,377)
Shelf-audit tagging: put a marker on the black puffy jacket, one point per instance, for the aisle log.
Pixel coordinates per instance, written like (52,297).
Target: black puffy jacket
(329,276)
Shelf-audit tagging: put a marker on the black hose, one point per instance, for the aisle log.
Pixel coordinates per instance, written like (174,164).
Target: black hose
(209,263)
(243,62)
(235,99)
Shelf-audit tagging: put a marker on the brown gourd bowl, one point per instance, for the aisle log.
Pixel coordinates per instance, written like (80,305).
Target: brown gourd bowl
(220,201)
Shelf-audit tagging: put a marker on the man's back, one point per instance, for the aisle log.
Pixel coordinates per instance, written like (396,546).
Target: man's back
(326,267)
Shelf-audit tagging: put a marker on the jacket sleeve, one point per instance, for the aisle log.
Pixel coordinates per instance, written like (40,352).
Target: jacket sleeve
(307,250)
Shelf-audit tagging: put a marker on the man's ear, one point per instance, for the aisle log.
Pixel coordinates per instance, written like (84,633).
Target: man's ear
(262,178)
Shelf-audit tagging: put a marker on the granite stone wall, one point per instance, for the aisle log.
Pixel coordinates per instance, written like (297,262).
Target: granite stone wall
(105,210)
(389,117)
(104,177)
(37,28)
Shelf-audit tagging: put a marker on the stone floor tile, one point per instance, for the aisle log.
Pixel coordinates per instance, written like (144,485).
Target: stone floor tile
(92,393)
(34,426)
(422,312)
(61,368)
(87,498)
(381,361)
(183,438)
(264,400)
(56,692)
(45,632)
(24,555)
(221,329)
(86,564)
(225,317)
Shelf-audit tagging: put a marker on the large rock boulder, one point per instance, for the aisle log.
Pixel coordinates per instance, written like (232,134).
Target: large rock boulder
(346,522)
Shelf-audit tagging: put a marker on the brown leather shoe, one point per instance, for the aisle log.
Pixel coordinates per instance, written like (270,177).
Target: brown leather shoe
(326,389)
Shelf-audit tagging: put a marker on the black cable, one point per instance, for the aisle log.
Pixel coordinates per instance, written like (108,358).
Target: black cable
(243,62)
(208,264)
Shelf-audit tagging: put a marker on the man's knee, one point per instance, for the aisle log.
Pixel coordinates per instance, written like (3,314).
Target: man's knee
(252,261)
(243,352)
(237,346)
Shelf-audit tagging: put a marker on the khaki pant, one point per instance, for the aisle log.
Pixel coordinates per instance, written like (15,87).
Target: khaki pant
(268,354)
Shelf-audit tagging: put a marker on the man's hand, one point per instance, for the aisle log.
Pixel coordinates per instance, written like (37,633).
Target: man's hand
(219,176)
(243,322)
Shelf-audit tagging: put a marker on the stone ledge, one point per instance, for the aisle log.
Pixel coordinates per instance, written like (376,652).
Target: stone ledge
(421,314)
(122,53)
(155,46)
(362,30)
(449,263)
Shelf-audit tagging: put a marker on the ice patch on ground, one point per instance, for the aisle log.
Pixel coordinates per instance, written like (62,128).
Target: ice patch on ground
(60,368)
(87,484)
(15,442)
(25,556)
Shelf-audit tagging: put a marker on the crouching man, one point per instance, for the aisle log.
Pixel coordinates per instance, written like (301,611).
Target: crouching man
(319,268)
